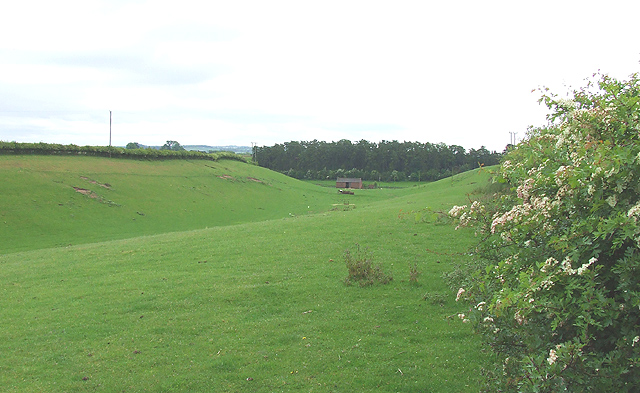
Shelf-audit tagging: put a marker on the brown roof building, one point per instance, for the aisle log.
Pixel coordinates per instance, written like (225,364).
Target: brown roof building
(346,182)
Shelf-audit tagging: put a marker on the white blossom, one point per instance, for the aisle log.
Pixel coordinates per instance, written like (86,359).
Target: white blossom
(514,215)
(545,284)
(568,104)
(551,261)
(460,293)
(634,212)
(456,210)
(566,267)
(524,190)
(585,266)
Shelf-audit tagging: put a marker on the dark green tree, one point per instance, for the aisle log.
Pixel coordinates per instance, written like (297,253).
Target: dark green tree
(172,145)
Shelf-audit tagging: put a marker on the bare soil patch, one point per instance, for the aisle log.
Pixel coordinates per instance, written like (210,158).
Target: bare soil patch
(86,192)
(105,185)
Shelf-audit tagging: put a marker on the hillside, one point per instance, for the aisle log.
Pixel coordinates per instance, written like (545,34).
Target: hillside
(48,201)
(52,201)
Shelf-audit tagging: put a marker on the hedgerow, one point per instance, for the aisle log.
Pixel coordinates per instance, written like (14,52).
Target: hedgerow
(558,300)
(110,151)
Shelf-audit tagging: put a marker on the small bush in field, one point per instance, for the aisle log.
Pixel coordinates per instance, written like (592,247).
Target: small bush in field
(362,270)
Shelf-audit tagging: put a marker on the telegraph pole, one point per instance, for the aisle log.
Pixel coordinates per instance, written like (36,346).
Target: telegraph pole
(254,151)
(109,134)
(512,137)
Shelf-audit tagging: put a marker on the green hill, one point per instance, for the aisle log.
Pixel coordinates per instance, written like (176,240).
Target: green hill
(52,201)
(256,302)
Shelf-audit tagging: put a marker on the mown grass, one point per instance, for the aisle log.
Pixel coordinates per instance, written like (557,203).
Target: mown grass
(256,306)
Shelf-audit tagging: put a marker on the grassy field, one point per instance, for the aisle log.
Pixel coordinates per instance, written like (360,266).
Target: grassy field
(253,303)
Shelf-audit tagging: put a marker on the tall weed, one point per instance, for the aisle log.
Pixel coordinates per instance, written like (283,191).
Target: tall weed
(361,269)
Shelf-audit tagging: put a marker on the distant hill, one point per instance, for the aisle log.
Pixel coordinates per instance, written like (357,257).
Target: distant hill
(233,148)
(207,148)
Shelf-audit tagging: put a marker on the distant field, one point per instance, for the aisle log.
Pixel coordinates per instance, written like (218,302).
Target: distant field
(369,183)
(255,302)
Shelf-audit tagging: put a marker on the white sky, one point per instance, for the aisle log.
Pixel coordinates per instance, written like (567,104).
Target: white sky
(236,72)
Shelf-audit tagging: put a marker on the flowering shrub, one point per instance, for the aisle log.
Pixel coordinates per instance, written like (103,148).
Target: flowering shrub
(559,298)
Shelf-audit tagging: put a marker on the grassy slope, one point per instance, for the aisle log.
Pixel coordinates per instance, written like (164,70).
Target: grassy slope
(209,309)
(40,208)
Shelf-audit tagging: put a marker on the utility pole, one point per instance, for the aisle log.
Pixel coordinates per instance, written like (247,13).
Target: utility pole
(512,137)
(109,134)
(254,151)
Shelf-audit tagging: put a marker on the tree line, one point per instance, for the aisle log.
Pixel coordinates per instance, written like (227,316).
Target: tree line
(383,161)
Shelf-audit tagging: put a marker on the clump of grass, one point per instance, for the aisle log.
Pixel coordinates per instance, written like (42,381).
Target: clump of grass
(435,298)
(426,215)
(362,270)
(414,273)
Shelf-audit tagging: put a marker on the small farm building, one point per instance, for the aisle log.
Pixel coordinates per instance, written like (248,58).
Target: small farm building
(345,182)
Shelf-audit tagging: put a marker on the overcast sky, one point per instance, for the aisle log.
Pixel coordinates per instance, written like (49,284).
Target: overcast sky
(236,72)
